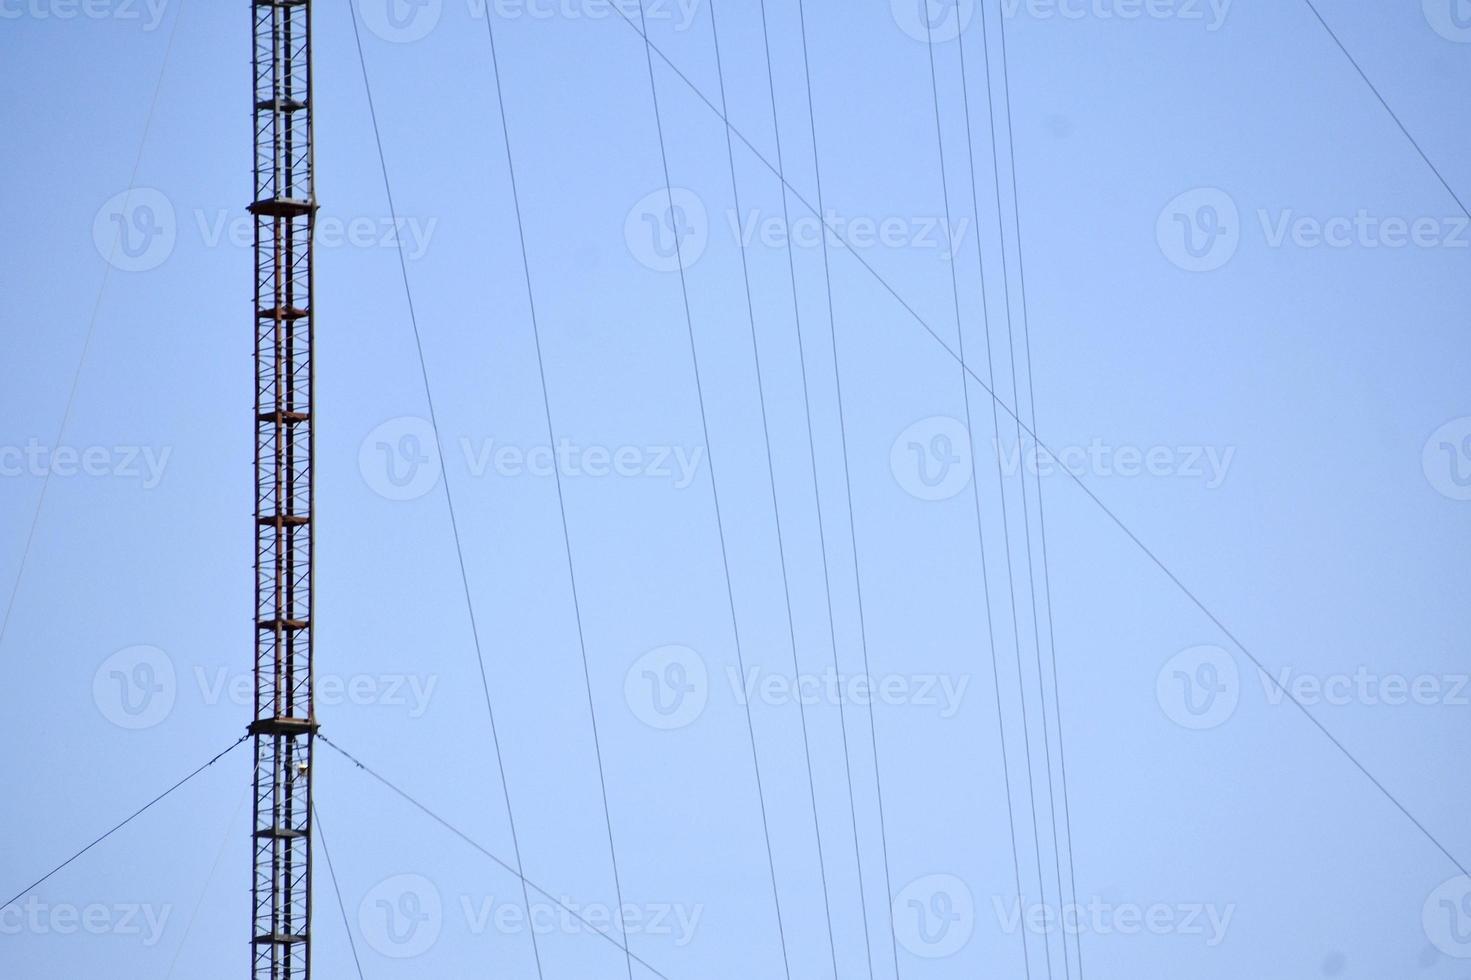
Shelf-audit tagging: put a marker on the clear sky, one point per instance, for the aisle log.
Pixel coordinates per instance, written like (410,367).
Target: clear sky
(1237,308)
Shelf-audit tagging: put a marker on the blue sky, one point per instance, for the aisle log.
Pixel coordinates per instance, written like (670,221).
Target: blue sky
(1240,328)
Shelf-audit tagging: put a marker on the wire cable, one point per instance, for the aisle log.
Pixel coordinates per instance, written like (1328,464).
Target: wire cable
(1113,517)
(71,395)
(775,502)
(848,485)
(336,889)
(546,399)
(1041,518)
(1392,114)
(1041,444)
(531,885)
(827,586)
(1027,539)
(1006,543)
(123,823)
(715,491)
(209,879)
(444,470)
(970,430)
